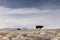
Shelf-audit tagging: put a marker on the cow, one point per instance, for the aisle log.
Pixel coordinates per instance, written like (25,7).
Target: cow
(39,26)
(18,29)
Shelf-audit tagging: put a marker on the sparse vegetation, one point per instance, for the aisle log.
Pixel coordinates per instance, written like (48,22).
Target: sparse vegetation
(43,34)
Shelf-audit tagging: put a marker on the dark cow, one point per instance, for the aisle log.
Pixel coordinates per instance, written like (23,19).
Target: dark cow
(39,26)
(18,29)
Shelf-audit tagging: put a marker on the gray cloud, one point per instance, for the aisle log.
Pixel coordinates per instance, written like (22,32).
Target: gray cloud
(42,4)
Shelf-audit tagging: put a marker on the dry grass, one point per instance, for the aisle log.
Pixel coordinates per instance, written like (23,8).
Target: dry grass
(44,34)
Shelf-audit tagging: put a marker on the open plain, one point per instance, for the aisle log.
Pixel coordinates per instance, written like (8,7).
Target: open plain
(42,34)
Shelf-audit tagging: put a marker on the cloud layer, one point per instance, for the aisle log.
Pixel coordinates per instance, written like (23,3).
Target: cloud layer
(29,18)
(4,10)
(29,13)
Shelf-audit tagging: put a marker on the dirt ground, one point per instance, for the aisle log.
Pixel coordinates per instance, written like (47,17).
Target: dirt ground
(42,34)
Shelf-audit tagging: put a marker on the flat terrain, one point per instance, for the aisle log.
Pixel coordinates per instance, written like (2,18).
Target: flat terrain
(43,34)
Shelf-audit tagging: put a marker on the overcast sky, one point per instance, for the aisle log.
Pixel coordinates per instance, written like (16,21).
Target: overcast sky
(29,13)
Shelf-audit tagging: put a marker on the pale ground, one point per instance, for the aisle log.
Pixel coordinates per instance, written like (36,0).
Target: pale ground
(43,34)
